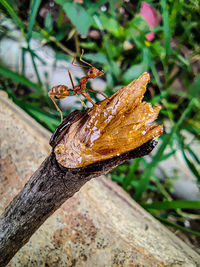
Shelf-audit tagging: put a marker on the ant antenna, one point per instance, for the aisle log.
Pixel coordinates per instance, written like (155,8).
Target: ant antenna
(83,66)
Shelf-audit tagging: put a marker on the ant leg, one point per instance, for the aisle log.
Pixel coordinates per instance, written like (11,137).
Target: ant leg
(61,115)
(70,76)
(83,104)
(87,96)
(94,91)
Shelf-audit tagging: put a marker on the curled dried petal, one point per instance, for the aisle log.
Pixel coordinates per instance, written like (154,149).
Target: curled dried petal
(116,125)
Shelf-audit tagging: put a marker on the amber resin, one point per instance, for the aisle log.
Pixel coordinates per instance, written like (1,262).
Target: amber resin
(113,127)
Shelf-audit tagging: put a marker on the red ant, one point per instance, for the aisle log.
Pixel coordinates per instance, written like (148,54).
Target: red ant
(62,91)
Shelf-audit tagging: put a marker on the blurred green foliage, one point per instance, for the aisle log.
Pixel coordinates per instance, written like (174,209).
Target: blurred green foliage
(113,34)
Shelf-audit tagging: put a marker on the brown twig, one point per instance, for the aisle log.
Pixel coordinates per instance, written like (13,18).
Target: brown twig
(60,176)
(48,188)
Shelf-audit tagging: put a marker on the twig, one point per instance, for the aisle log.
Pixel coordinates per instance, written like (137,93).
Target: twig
(53,183)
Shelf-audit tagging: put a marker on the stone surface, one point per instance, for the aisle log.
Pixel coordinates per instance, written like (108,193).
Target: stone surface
(100,226)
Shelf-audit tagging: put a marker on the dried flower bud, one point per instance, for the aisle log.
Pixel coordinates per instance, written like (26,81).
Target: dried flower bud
(116,125)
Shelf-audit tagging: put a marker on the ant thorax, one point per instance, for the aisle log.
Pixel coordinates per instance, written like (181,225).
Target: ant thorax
(83,80)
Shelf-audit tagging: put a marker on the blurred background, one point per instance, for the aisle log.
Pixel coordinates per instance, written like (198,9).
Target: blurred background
(38,40)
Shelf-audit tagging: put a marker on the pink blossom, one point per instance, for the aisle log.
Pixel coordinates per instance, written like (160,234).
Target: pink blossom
(149,13)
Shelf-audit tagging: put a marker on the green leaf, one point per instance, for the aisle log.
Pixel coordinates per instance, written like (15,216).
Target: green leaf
(18,78)
(175,204)
(110,24)
(113,50)
(60,18)
(113,68)
(134,72)
(61,2)
(62,56)
(62,33)
(158,50)
(136,30)
(48,22)
(140,24)
(93,7)
(117,178)
(39,35)
(96,57)
(78,16)
(33,13)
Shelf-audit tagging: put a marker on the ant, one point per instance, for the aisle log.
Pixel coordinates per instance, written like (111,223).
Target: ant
(62,91)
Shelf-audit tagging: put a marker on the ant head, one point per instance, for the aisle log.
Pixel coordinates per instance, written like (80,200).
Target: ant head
(94,72)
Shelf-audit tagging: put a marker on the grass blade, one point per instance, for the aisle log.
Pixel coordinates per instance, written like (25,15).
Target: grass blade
(35,68)
(144,182)
(191,165)
(13,14)
(166,28)
(195,157)
(195,87)
(33,13)
(168,155)
(19,78)
(176,204)
(177,226)
(50,122)
(133,167)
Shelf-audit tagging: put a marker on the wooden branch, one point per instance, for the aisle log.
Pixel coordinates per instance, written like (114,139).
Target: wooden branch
(48,188)
(60,178)
(103,214)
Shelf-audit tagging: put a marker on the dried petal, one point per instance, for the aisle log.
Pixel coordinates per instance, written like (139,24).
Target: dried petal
(115,126)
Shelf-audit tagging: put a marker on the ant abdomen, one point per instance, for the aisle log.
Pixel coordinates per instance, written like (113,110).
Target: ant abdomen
(59,91)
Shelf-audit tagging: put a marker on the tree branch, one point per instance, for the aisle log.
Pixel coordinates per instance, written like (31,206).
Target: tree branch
(48,188)
(62,174)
